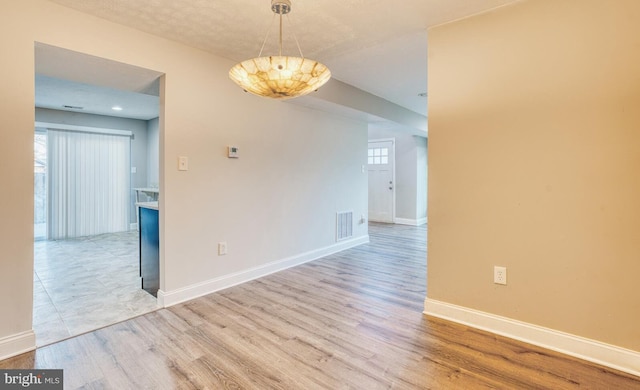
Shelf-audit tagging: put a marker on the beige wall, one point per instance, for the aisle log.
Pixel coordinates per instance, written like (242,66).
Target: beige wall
(277,201)
(534,157)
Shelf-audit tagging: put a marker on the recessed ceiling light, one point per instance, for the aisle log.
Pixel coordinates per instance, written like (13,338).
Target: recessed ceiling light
(423,94)
(116,108)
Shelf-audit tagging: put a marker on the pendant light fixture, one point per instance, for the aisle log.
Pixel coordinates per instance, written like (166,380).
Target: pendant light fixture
(280,77)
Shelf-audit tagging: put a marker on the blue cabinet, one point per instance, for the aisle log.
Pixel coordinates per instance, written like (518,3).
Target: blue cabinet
(149,249)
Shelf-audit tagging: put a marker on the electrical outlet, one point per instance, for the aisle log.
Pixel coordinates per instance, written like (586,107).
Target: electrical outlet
(500,275)
(222,248)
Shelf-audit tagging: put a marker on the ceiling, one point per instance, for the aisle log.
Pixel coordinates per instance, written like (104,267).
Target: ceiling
(377,46)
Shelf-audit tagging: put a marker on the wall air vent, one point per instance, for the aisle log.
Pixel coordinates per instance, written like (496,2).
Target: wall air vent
(73,107)
(344,225)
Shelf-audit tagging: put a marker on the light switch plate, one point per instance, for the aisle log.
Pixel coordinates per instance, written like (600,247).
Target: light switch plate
(222,248)
(183,163)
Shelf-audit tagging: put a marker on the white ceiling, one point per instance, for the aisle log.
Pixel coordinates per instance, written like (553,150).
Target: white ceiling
(58,94)
(68,78)
(377,46)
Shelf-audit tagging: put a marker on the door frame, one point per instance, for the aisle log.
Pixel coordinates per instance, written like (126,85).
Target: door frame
(393,174)
(79,58)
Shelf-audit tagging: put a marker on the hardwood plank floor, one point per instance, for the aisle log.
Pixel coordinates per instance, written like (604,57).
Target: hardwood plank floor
(348,321)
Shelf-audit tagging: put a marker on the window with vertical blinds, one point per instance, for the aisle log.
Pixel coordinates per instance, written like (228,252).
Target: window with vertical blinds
(88,181)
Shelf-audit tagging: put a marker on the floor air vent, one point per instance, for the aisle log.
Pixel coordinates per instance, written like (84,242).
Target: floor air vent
(344,225)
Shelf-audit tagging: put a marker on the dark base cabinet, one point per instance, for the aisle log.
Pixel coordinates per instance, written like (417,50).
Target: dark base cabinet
(149,250)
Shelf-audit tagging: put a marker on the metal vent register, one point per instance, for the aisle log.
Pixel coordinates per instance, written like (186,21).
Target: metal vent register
(344,225)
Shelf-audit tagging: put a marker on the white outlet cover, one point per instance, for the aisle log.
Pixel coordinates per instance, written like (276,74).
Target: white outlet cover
(500,275)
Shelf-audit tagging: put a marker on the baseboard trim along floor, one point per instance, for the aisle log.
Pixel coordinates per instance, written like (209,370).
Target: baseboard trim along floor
(594,351)
(410,222)
(17,344)
(170,298)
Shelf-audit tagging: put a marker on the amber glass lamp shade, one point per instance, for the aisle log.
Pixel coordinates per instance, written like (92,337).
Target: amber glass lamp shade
(280,77)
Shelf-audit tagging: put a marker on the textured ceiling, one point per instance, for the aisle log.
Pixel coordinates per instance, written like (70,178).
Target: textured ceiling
(378,46)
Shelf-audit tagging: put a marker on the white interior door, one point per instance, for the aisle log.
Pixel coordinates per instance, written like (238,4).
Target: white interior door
(381,161)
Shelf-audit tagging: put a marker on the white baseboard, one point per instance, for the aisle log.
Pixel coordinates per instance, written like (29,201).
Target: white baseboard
(170,298)
(17,344)
(594,351)
(411,222)
(133,226)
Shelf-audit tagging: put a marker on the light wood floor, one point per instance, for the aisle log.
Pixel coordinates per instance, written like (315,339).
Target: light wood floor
(349,321)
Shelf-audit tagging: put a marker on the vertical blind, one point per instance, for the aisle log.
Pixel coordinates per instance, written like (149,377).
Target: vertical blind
(88,183)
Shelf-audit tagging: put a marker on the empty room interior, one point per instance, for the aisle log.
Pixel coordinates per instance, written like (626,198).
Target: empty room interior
(321,194)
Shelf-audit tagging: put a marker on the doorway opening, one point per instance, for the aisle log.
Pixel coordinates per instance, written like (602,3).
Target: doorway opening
(397,165)
(96,140)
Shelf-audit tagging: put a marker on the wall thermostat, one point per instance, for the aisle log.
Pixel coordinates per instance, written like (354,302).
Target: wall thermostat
(232,152)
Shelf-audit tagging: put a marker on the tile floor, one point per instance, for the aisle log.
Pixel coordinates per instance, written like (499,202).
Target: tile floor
(85,284)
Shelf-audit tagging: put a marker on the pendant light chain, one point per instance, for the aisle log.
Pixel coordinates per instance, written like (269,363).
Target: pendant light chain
(280,34)
(294,37)
(278,76)
(273,18)
(264,42)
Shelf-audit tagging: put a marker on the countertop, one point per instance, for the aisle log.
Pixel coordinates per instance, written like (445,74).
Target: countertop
(148,205)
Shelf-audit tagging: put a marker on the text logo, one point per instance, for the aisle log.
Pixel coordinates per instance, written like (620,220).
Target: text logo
(31,379)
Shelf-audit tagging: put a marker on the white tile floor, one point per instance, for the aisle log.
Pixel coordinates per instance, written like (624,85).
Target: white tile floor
(85,284)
